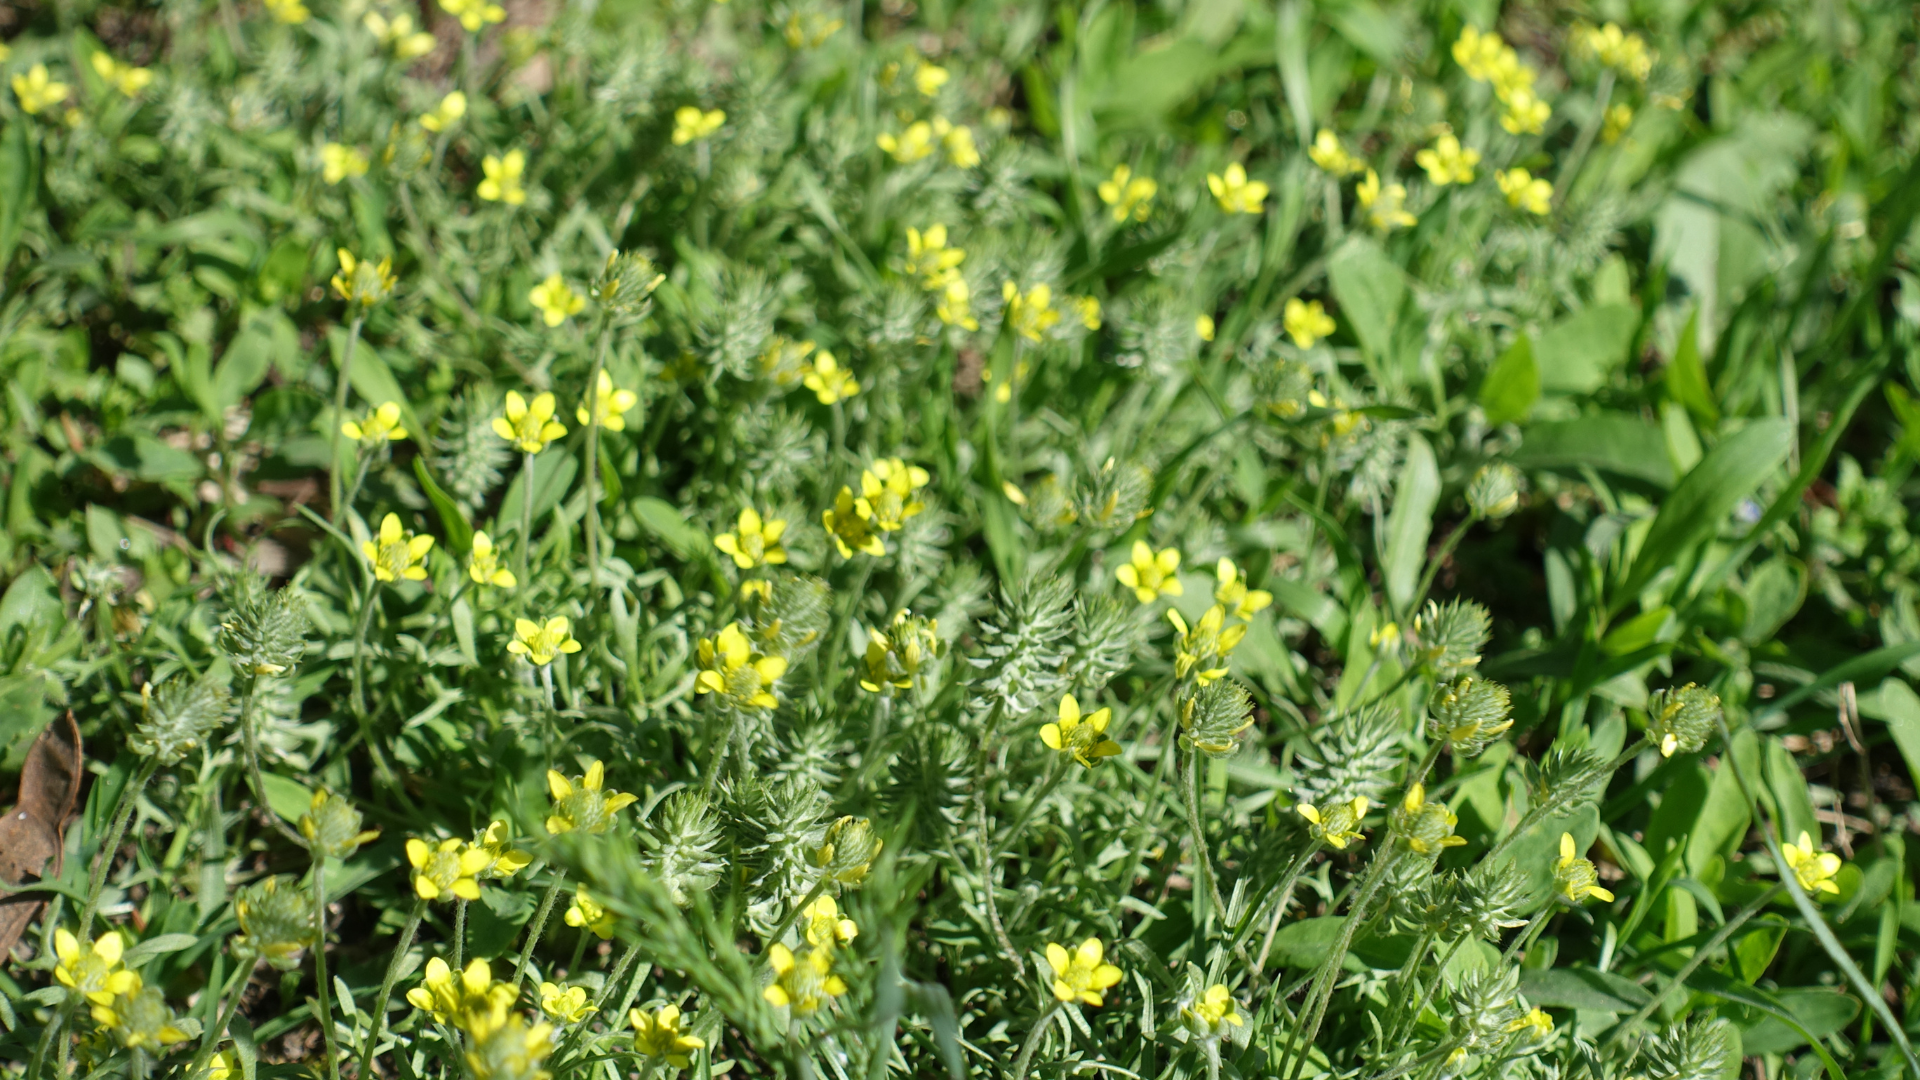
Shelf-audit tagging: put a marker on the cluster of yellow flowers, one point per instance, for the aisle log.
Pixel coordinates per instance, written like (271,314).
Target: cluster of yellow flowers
(1624,52)
(920,138)
(1235,193)
(804,983)
(887,499)
(1486,58)
(694,124)
(937,265)
(730,668)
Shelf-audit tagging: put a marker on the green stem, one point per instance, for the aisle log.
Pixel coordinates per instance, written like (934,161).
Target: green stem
(1699,957)
(718,760)
(122,813)
(1027,1048)
(539,926)
(459,934)
(360,652)
(812,895)
(320,963)
(1425,988)
(385,997)
(250,740)
(335,505)
(1202,857)
(1330,969)
(620,966)
(1538,813)
(1440,557)
(526,522)
(1570,171)
(1282,893)
(210,1042)
(1525,940)
(593,457)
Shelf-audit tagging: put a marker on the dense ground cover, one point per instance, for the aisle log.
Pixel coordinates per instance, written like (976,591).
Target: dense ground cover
(806,539)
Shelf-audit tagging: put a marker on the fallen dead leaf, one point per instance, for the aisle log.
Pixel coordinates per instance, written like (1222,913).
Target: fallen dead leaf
(33,833)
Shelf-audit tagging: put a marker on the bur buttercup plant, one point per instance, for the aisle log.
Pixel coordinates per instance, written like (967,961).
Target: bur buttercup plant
(604,540)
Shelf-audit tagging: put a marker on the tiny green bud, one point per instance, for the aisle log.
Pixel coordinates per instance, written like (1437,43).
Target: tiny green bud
(1680,720)
(1469,714)
(179,716)
(848,850)
(277,921)
(332,826)
(1494,491)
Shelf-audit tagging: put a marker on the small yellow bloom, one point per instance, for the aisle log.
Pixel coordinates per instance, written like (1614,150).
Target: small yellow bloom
(1082,974)
(382,425)
(564,1004)
(497,842)
(612,405)
(474,14)
(362,282)
(1619,119)
(1087,308)
(660,1036)
(1481,55)
(1081,737)
(338,162)
(589,914)
(729,667)
(397,553)
(754,541)
(1203,326)
(1332,157)
(1306,322)
(692,124)
(447,113)
(1232,591)
(502,183)
(887,493)
(1447,162)
(1151,575)
(93,970)
(407,43)
(1526,114)
(483,566)
(126,78)
(448,868)
(222,1065)
(291,12)
(828,380)
(956,304)
(802,984)
(823,924)
(37,91)
(1813,868)
(1425,828)
(1574,878)
(1205,645)
(1130,196)
(529,427)
(1386,635)
(1339,825)
(541,642)
(911,145)
(584,804)
(1214,1011)
(1235,193)
(811,32)
(1624,52)
(1537,1022)
(1030,315)
(929,78)
(957,140)
(1385,206)
(1523,190)
(474,993)
(930,259)
(849,523)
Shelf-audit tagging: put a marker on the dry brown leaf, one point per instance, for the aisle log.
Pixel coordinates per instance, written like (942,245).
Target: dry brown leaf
(33,833)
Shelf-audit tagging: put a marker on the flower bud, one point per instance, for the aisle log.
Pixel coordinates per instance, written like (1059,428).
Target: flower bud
(277,921)
(627,282)
(848,850)
(178,717)
(265,633)
(1214,715)
(1494,491)
(1680,720)
(1422,827)
(1469,714)
(1448,637)
(332,826)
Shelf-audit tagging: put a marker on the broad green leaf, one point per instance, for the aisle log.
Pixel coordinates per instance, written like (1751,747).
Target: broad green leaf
(1371,289)
(1305,944)
(159,945)
(31,600)
(146,458)
(288,798)
(1901,708)
(1702,500)
(667,525)
(1582,988)
(1411,521)
(1819,1012)
(452,518)
(19,176)
(1793,804)
(552,478)
(243,367)
(462,614)
(1722,823)
(1636,633)
(1753,951)
(1291,31)
(1774,593)
(1577,354)
(1512,384)
(1687,375)
(1616,443)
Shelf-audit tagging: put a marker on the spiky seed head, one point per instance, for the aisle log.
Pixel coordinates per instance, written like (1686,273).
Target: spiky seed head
(1214,716)
(1469,715)
(1448,638)
(277,921)
(265,632)
(1680,720)
(177,718)
(1494,492)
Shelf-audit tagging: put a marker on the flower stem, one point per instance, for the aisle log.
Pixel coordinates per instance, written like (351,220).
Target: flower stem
(122,813)
(1202,857)
(459,934)
(320,962)
(812,895)
(593,458)
(526,520)
(210,1042)
(335,504)
(1330,969)
(1282,893)
(620,966)
(359,655)
(250,740)
(539,926)
(385,996)
(1027,1048)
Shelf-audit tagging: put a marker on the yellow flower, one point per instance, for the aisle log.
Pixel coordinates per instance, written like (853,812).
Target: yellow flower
(541,642)
(221,1066)
(1083,974)
(1030,315)
(1307,322)
(291,12)
(754,542)
(803,984)
(929,257)
(589,914)
(338,162)
(1619,119)
(1203,326)
(448,867)
(1526,114)
(142,1020)
(1523,190)
(1574,878)
(1339,825)
(1447,162)
(529,427)
(505,1047)
(691,124)
(887,493)
(929,78)
(1083,738)
(761,589)
(1536,1021)
(93,971)
(659,1036)
(896,657)
(1425,828)
(447,113)
(473,993)
(813,31)
(497,842)
(474,14)
(1385,635)
(729,667)
(849,524)
(1233,592)
(916,142)
(612,405)
(37,91)
(1151,575)
(502,183)
(1213,1010)
(362,282)
(1235,193)
(823,924)
(1813,868)
(1130,196)
(565,1004)
(956,304)
(957,139)
(1332,157)
(397,553)
(1206,645)
(556,302)
(1481,55)
(1385,207)
(381,425)
(407,43)
(1087,308)
(483,566)
(828,380)
(584,804)
(1624,52)
(126,78)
